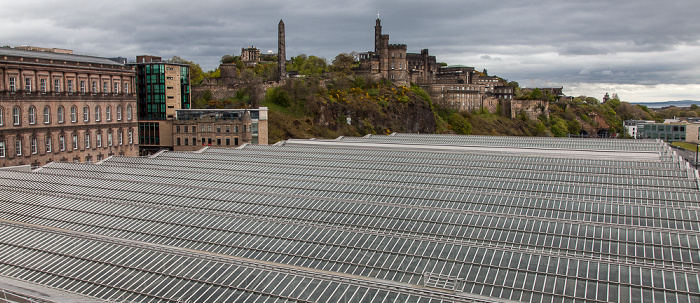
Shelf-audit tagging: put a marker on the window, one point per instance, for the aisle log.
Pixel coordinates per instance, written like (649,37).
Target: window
(47,115)
(86,114)
(126,87)
(108,113)
(97,114)
(177,129)
(98,138)
(70,86)
(13,85)
(75,141)
(235,128)
(131,137)
(228,128)
(109,138)
(56,85)
(42,85)
(120,137)
(218,141)
(62,142)
(228,141)
(48,143)
(87,140)
(218,128)
(32,115)
(16,116)
(119,112)
(94,87)
(105,87)
(128,112)
(2,149)
(194,129)
(187,141)
(178,141)
(2,122)
(74,114)
(116,87)
(82,86)
(60,114)
(32,145)
(28,84)
(18,146)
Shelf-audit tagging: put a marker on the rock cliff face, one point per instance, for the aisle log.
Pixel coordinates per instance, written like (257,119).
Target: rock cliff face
(414,116)
(317,111)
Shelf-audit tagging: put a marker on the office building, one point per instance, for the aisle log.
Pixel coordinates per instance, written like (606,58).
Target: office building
(57,106)
(162,88)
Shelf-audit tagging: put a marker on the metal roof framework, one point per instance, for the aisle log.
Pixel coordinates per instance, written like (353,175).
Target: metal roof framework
(328,222)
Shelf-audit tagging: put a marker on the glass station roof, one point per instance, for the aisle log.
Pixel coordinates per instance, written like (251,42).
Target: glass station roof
(351,222)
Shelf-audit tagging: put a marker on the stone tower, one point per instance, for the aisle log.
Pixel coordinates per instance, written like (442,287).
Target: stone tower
(377,35)
(281,52)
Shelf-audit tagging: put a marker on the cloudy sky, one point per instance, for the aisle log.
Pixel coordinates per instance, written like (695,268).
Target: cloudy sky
(643,50)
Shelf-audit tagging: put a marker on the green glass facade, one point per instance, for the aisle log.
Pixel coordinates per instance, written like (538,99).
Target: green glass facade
(666,132)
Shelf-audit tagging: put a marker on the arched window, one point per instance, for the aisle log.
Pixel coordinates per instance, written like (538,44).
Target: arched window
(108,113)
(119,112)
(97,114)
(73,114)
(16,115)
(60,114)
(128,112)
(47,115)
(32,115)
(86,114)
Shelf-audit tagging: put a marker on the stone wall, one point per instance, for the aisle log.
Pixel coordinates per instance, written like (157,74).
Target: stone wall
(532,108)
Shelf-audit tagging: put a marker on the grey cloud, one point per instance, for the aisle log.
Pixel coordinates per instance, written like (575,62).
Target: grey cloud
(641,41)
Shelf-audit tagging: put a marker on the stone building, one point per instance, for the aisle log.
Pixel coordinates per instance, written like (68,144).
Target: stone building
(162,88)
(250,56)
(56,106)
(196,128)
(457,86)
(531,108)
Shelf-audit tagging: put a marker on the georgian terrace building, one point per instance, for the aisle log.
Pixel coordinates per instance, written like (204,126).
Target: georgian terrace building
(64,107)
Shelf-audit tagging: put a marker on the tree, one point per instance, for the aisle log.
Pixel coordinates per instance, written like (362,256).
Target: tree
(559,128)
(196,73)
(459,124)
(309,66)
(343,63)
(252,86)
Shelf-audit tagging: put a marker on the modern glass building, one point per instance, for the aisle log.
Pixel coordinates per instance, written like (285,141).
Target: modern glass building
(162,88)
(401,218)
(666,132)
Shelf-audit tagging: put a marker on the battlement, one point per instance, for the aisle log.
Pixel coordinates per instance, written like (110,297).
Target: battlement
(397,46)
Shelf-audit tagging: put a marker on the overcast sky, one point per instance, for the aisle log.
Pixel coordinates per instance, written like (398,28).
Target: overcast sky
(643,50)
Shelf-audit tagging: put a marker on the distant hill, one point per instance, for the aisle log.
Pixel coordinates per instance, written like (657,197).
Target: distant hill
(681,103)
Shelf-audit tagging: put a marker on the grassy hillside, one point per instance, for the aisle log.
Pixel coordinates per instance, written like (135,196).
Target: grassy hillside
(347,106)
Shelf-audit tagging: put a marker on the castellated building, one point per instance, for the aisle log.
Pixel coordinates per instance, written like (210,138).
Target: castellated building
(57,106)
(459,87)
